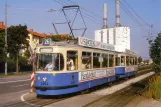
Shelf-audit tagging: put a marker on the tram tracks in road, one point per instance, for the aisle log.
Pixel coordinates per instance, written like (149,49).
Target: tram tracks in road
(43,101)
(38,102)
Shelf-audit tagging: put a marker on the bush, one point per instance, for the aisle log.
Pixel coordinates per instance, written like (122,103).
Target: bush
(24,64)
(145,67)
(154,90)
(59,38)
(11,65)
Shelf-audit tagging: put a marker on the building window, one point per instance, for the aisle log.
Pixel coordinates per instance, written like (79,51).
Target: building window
(114,36)
(101,35)
(107,36)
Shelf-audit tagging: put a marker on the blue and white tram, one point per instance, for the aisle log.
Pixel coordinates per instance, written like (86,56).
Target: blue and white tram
(64,68)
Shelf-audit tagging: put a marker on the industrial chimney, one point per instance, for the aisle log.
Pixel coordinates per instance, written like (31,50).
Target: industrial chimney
(118,13)
(105,26)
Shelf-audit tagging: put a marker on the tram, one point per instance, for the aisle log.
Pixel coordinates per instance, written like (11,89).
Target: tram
(68,67)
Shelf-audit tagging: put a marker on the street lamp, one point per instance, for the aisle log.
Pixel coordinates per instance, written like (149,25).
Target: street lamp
(6,9)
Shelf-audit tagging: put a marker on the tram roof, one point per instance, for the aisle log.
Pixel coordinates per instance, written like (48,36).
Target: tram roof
(77,43)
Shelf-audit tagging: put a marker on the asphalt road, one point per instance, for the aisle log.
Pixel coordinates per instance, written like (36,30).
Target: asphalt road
(11,88)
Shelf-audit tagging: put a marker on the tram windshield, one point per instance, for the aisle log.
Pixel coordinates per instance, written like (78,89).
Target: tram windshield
(50,62)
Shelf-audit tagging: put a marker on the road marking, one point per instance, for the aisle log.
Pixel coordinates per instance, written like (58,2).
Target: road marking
(20,85)
(13,81)
(23,100)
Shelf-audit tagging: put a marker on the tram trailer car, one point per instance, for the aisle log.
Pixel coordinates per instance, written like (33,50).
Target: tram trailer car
(63,80)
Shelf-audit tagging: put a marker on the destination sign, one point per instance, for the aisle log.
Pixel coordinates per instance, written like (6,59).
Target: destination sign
(94,44)
(90,75)
(46,50)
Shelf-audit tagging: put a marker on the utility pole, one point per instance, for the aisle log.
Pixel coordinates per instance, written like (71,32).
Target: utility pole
(6,6)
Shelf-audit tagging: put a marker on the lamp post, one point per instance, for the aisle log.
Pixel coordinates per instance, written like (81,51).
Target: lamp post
(6,6)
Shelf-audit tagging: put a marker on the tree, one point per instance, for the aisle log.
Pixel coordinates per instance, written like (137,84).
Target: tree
(16,41)
(140,59)
(27,54)
(59,37)
(155,52)
(2,45)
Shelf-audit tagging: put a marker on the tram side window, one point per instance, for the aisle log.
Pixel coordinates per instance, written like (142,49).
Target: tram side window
(127,60)
(122,60)
(96,63)
(86,60)
(72,60)
(136,60)
(111,60)
(105,60)
(117,61)
(131,60)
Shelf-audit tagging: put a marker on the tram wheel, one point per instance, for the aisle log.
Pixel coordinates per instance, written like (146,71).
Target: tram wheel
(39,96)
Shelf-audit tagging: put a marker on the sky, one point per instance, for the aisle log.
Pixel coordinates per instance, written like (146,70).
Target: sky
(34,14)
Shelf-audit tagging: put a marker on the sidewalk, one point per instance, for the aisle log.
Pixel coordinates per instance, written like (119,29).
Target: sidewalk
(14,74)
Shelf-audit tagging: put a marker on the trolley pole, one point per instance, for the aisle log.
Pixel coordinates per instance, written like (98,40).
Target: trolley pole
(6,6)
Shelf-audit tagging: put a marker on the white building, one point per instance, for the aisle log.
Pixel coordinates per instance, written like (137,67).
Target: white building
(117,36)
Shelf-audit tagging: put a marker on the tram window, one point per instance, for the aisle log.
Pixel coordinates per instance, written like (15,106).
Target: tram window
(127,60)
(111,60)
(131,61)
(96,63)
(122,60)
(136,60)
(105,60)
(86,60)
(72,60)
(50,62)
(117,59)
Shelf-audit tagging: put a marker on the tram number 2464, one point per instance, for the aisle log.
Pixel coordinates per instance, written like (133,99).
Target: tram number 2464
(44,83)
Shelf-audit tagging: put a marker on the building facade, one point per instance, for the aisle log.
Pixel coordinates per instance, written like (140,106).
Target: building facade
(117,36)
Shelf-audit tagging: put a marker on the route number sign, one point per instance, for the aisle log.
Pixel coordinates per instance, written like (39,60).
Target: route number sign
(46,41)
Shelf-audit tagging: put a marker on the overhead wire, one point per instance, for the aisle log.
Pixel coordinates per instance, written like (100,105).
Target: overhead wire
(83,14)
(136,13)
(132,16)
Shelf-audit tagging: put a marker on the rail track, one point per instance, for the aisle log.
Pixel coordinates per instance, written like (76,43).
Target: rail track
(42,101)
(122,97)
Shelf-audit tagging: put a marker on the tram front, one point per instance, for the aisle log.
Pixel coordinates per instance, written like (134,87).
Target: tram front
(51,76)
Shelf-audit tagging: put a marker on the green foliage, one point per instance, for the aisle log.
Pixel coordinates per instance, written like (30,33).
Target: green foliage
(59,38)
(155,52)
(17,39)
(27,54)
(140,59)
(11,65)
(24,65)
(2,46)
(145,67)
(154,90)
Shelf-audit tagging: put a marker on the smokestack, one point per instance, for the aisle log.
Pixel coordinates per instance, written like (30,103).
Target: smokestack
(105,17)
(118,13)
